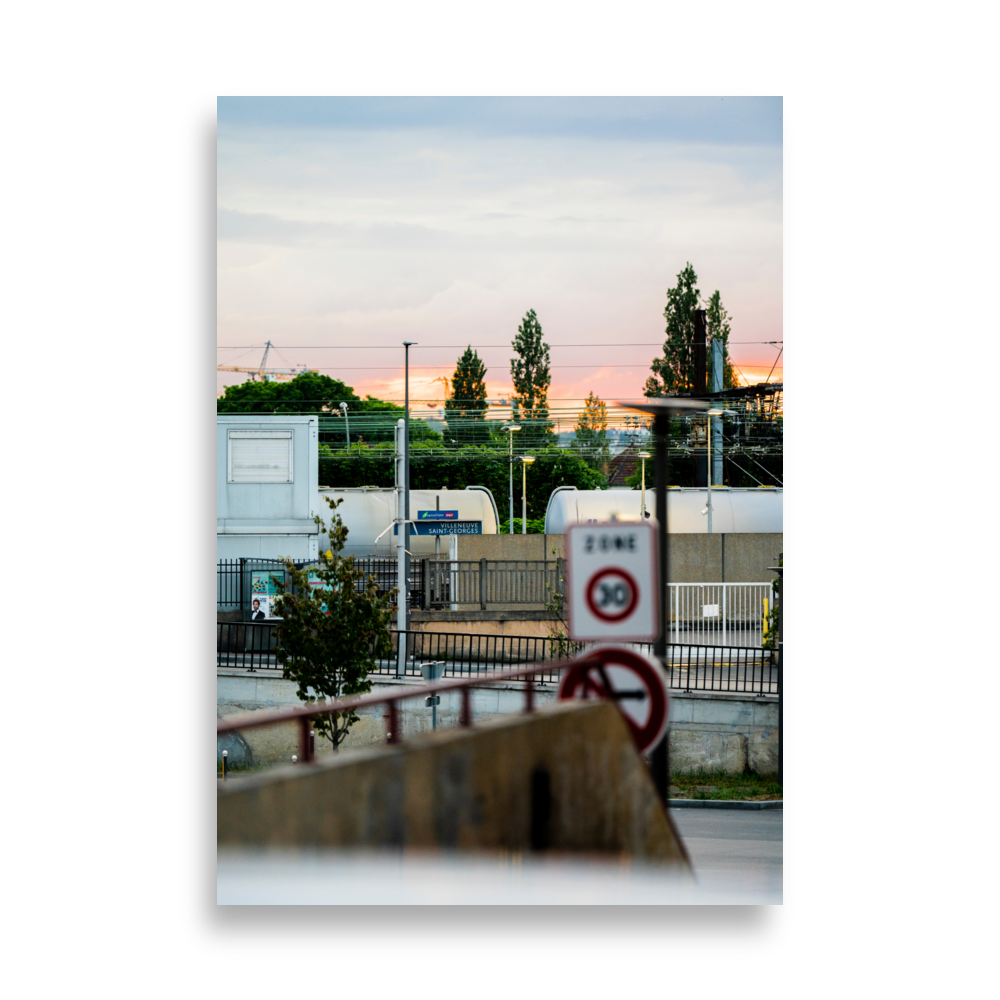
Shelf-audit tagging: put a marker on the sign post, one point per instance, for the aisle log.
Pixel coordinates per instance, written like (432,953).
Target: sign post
(661,412)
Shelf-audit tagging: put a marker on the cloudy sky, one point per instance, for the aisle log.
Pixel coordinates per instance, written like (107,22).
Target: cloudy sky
(357,223)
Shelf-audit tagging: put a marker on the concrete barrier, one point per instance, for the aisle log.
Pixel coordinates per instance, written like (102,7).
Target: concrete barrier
(566,779)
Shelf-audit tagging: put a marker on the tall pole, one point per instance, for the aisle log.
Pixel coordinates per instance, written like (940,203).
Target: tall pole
(699,358)
(510,486)
(401,578)
(407,344)
(659,760)
(347,425)
(781,661)
(524,497)
(708,466)
(717,380)
(642,506)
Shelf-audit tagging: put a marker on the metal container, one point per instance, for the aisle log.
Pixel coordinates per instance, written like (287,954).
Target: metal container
(734,509)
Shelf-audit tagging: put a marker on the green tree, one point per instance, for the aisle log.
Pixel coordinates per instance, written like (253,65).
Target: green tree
(309,392)
(592,432)
(717,324)
(530,374)
(465,412)
(371,420)
(333,628)
(674,372)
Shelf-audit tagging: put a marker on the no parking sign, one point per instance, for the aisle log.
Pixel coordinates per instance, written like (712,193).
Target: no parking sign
(611,585)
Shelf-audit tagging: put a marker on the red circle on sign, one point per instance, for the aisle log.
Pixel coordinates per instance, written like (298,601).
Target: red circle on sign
(588,677)
(616,616)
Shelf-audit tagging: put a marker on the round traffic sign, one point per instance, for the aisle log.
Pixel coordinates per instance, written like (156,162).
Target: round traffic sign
(634,682)
(612,594)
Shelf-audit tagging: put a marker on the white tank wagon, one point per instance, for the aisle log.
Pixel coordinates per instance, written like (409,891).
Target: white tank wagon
(368,511)
(734,509)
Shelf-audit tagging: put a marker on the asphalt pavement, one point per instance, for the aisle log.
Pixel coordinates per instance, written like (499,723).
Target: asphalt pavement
(734,850)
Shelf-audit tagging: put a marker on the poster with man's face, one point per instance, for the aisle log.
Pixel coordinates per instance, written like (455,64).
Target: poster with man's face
(263,593)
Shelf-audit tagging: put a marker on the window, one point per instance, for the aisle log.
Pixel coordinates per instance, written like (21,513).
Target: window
(260,457)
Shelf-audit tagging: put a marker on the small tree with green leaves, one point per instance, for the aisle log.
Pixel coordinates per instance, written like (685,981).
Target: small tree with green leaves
(592,433)
(332,629)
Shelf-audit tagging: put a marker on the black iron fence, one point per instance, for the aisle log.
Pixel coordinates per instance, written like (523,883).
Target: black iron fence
(733,669)
(234,579)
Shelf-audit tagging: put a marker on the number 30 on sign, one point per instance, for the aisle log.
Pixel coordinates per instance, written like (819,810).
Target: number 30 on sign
(612,585)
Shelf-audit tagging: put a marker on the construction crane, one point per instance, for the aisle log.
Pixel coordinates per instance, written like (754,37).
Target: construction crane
(264,373)
(432,403)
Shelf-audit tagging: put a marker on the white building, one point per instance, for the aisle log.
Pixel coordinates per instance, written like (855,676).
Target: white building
(267,485)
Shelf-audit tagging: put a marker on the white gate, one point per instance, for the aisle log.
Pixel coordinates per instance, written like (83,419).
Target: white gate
(719,614)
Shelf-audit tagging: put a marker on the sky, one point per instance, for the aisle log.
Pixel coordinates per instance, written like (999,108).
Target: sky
(347,225)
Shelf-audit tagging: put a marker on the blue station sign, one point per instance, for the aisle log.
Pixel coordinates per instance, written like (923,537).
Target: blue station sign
(443,527)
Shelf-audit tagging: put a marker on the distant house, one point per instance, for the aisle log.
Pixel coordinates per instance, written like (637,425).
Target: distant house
(621,467)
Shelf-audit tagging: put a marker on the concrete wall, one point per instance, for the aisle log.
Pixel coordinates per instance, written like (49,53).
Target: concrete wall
(566,778)
(733,733)
(732,558)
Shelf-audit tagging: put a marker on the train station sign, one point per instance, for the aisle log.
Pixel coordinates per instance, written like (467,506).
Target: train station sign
(435,527)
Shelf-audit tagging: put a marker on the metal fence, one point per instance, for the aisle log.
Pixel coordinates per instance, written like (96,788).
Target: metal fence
(725,614)
(734,669)
(465,583)
(233,583)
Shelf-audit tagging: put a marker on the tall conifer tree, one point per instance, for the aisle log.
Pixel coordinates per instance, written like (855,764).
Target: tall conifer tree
(465,411)
(530,374)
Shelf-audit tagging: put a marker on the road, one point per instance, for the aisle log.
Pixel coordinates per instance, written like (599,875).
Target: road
(734,850)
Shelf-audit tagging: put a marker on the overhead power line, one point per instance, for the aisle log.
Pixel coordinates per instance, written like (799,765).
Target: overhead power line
(449,347)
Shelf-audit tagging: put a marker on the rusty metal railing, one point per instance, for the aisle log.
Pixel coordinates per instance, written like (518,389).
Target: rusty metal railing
(303,715)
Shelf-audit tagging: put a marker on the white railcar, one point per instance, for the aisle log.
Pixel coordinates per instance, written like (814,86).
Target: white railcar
(734,509)
(369,511)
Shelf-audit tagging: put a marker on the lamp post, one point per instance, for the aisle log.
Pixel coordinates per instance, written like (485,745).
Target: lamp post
(642,507)
(526,460)
(347,425)
(511,428)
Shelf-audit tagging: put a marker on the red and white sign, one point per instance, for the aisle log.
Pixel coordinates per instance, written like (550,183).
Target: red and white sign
(611,584)
(634,682)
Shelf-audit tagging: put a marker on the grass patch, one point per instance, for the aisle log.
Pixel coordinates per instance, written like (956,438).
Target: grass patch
(719,785)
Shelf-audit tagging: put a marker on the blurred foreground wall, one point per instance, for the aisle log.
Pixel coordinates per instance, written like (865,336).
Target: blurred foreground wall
(566,778)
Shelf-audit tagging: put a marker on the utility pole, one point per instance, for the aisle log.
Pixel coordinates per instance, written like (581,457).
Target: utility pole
(718,377)
(401,568)
(659,759)
(698,376)
(407,344)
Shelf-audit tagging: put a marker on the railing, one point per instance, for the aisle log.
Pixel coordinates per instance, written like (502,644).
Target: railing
(390,699)
(234,584)
(724,614)
(465,583)
(732,669)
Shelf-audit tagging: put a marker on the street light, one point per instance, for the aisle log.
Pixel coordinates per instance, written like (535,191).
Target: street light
(347,425)
(642,512)
(511,428)
(526,460)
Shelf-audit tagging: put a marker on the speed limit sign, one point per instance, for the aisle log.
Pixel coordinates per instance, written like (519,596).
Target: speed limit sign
(611,582)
